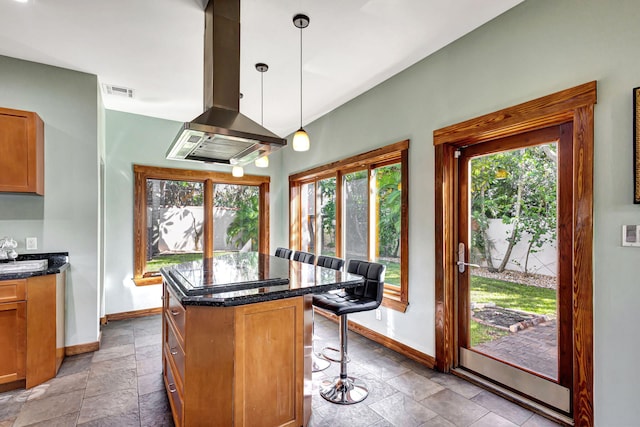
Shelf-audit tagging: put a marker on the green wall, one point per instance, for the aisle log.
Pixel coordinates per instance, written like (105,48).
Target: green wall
(66,218)
(537,48)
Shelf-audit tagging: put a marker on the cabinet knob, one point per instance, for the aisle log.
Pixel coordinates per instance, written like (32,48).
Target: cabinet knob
(173,350)
(174,312)
(172,388)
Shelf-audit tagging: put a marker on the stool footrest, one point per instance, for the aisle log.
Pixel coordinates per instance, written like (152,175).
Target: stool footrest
(333,359)
(319,363)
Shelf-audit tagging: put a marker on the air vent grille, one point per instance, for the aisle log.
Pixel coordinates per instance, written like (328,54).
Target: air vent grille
(118,90)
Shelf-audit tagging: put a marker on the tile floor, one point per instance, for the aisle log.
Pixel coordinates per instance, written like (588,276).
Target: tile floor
(121,385)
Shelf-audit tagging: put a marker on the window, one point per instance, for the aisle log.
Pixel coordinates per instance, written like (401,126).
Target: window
(357,208)
(185,215)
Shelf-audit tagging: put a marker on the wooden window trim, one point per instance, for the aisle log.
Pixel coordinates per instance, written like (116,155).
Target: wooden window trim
(574,105)
(394,153)
(208,179)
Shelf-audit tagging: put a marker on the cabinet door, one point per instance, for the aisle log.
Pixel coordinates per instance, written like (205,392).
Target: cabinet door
(13,341)
(21,152)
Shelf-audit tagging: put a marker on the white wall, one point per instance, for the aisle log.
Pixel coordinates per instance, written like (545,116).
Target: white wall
(134,139)
(535,49)
(66,218)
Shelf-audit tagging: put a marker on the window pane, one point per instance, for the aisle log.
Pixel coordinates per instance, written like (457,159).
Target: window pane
(174,222)
(388,204)
(327,218)
(236,217)
(356,217)
(307,217)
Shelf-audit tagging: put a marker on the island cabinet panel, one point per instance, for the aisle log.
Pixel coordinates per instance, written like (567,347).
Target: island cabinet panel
(21,152)
(236,366)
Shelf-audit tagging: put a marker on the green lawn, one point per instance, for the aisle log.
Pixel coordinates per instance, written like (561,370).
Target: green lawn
(165,260)
(392,274)
(514,295)
(511,295)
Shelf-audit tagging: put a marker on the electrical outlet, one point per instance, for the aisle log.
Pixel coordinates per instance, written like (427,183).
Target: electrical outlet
(378,314)
(32,243)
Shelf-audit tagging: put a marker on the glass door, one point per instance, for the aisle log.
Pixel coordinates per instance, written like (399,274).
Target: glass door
(514,290)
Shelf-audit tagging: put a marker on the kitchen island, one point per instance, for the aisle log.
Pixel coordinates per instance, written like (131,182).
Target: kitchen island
(237,338)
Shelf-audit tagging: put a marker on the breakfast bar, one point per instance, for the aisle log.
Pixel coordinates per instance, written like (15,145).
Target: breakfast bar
(237,338)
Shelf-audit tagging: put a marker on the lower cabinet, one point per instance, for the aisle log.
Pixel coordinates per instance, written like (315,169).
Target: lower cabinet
(237,366)
(31,329)
(13,341)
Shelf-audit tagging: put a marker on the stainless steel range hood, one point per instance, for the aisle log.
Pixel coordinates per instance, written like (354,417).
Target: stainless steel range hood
(222,134)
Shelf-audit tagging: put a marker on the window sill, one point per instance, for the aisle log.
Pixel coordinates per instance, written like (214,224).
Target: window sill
(392,301)
(146,281)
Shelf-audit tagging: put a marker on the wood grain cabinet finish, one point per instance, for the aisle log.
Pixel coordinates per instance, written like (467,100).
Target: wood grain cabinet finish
(13,341)
(21,152)
(237,366)
(31,330)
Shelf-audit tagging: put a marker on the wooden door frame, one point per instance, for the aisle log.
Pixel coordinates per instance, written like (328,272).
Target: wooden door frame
(573,105)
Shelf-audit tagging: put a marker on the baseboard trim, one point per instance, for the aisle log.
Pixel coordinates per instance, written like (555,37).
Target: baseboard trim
(82,348)
(13,385)
(103,320)
(132,314)
(398,347)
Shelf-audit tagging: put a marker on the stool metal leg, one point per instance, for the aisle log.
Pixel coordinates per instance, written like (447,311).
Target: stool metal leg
(317,363)
(344,390)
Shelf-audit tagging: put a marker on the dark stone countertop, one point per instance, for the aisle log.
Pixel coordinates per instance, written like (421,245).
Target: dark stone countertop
(58,261)
(240,278)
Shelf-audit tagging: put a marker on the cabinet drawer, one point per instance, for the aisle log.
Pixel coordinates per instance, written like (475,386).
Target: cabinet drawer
(13,290)
(175,399)
(174,351)
(176,314)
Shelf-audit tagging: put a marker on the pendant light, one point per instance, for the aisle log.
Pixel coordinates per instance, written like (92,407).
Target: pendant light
(262,162)
(237,171)
(301,138)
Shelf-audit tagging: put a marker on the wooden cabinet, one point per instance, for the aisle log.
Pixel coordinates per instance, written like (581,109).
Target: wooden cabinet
(31,330)
(21,152)
(13,341)
(236,366)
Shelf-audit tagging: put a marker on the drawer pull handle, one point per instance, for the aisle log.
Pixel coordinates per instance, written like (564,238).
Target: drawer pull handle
(172,388)
(175,312)
(173,350)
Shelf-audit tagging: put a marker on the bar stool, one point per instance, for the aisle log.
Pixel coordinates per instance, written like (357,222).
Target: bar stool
(320,362)
(283,253)
(306,257)
(344,389)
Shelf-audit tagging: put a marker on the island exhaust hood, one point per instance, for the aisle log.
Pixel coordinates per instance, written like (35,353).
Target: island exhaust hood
(222,134)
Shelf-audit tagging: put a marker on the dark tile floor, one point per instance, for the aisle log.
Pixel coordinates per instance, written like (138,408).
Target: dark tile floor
(121,385)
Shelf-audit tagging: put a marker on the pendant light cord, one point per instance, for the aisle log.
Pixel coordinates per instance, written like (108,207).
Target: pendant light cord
(261,99)
(301,77)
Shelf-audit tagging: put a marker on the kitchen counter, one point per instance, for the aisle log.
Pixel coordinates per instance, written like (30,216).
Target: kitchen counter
(58,262)
(241,278)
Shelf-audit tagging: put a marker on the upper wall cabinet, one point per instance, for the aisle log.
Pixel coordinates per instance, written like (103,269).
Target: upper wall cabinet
(21,152)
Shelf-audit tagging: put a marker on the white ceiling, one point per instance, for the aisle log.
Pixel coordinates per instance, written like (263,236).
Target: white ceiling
(156,48)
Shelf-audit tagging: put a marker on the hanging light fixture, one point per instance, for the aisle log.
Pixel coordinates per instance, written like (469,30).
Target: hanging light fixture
(301,138)
(262,162)
(237,171)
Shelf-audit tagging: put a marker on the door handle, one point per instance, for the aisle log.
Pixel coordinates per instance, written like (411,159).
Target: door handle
(461,259)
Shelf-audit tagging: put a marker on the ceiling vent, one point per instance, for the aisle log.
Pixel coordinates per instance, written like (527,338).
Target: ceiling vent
(117,90)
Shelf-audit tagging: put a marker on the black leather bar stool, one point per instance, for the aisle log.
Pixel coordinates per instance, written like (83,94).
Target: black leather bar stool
(305,257)
(330,262)
(320,363)
(344,389)
(283,253)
